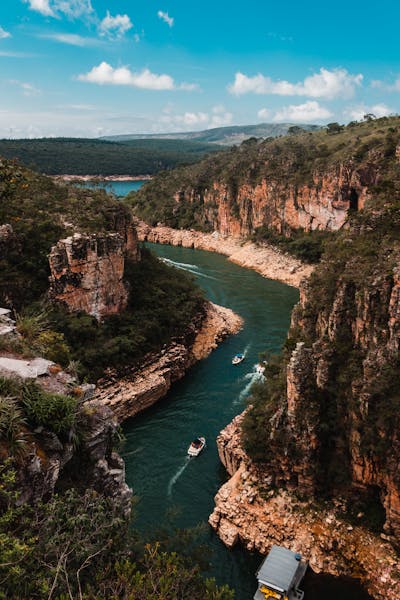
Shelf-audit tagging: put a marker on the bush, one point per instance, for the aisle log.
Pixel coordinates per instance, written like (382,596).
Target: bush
(52,411)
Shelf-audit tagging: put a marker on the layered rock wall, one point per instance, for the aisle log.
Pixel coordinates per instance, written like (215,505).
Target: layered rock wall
(320,204)
(251,510)
(87,271)
(95,464)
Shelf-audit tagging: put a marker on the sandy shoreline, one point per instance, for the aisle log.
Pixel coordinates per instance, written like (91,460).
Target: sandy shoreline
(266,260)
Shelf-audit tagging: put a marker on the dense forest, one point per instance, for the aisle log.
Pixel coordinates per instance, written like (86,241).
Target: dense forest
(59,156)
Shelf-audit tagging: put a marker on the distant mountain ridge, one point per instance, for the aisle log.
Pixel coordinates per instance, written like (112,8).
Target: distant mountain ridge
(227,136)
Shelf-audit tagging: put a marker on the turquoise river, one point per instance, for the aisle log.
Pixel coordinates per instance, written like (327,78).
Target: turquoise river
(171,488)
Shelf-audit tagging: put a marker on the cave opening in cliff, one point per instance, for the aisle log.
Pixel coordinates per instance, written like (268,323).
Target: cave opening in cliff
(353,200)
(367,509)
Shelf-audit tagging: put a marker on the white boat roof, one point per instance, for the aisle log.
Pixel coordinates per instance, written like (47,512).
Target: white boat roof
(278,569)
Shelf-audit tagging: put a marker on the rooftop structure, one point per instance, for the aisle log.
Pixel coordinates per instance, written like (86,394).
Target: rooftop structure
(279,575)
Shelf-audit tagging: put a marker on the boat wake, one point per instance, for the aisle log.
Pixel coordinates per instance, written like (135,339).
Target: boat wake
(175,478)
(251,378)
(194,269)
(133,452)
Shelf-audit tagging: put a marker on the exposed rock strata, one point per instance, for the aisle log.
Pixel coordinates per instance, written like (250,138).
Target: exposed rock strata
(266,260)
(87,271)
(127,396)
(249,510)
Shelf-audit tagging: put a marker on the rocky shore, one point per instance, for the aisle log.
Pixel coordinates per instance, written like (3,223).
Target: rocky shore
(249,510)
(137,391)
(265,259)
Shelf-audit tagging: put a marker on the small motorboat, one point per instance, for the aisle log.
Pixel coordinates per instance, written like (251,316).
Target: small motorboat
(237,359)
(196,446)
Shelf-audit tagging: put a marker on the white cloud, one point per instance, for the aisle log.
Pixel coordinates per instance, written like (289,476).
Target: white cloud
(264,113)
(303,113)
(325,84)
(115,27)
(74,9)
(72,39)
(41,6)
(387,87)
(165,17)
(195,120)
(27,88)
(4,34)
(145,79)
(356,113)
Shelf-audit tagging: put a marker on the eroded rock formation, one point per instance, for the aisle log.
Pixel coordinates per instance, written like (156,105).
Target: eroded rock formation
(251,510)
(87,271)
(321,204)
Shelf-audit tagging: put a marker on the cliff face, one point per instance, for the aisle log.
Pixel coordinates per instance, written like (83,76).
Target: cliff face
(277,204)
(303,182)
(347,375)
(250,509)
(87,271)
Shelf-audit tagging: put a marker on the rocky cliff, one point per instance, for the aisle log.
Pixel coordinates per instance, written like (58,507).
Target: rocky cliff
(321,438)
(304,182)
(141,388)
(251,510)
(87,271)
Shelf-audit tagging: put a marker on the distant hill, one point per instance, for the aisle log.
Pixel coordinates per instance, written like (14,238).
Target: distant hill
(75,156)
(228,136)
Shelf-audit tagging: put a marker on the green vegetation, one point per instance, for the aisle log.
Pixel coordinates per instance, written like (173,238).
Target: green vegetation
(58,156)
(162,301)
(161,306)
(306,246)
(183,198)
(41,212)
(27,404)
(231,134)
(357,270)
(78,546)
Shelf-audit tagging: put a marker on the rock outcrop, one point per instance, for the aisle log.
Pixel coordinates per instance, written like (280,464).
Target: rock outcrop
(129,395)
(265,259)
(274,203)
(251,510)
(87,271)
(50,462)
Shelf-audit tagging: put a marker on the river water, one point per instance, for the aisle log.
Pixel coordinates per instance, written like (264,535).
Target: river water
(119,188)
(170,487)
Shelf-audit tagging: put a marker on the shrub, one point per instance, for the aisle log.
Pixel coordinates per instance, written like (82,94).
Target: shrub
(53,411)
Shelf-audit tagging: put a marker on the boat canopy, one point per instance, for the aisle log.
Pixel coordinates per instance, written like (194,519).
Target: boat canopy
(278,571)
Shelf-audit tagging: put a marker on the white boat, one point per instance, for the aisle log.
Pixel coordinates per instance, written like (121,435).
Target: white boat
(237,359)
(196,446)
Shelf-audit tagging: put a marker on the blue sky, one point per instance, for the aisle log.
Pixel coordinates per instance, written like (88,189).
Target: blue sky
(97,67)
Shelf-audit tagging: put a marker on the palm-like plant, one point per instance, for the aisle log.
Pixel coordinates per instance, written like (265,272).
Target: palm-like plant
(12,428)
